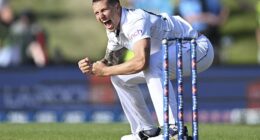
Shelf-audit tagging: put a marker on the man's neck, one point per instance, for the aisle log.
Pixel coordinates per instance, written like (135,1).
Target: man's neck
(119,24)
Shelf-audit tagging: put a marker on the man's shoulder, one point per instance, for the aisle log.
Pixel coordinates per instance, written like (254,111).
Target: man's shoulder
(133,10)
(132,15)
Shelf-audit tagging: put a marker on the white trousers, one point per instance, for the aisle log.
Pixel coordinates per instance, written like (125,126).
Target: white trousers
(131,97)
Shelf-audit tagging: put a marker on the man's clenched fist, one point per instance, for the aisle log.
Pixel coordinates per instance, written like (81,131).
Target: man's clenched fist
(85,66)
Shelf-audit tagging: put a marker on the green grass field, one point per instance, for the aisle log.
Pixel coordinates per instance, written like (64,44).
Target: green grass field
(92,131)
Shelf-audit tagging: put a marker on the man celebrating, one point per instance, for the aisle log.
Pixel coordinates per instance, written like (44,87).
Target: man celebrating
(141,32)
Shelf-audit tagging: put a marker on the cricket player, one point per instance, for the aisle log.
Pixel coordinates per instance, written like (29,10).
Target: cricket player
(142,32)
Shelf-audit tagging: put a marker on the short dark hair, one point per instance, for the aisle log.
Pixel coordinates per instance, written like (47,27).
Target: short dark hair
(112,2)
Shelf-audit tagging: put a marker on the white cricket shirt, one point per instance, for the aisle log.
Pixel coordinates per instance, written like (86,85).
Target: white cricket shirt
(137,24)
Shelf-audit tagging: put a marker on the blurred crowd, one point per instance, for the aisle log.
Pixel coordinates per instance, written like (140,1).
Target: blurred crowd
(22,39)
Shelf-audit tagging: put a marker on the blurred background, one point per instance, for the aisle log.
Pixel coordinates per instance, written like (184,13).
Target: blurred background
(41,42)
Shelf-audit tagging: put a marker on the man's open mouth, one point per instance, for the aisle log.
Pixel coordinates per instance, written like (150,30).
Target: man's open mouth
(108,24)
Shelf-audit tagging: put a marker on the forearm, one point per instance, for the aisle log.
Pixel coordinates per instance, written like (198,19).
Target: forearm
(139,62)
(129,67)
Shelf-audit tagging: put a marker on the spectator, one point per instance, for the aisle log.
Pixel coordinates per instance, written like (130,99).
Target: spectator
(23,40)
(206,16)
(9,51)
(33,39)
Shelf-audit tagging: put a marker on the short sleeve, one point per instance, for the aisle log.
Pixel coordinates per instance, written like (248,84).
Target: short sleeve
(139,29)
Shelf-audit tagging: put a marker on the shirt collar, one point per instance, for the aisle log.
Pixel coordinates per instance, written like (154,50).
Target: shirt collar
(122,20)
